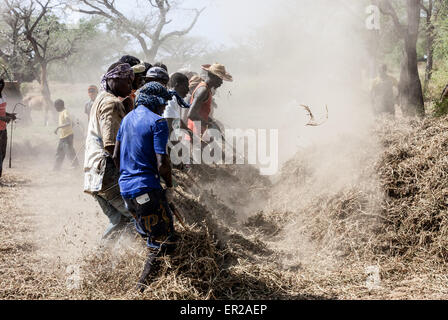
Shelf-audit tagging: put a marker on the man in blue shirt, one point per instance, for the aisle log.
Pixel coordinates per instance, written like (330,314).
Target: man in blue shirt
(141,154)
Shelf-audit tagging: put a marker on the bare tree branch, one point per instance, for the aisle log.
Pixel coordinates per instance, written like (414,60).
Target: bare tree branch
(185,31)
(387,9)
(148,30)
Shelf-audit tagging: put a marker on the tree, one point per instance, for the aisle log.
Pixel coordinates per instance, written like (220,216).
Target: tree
(100,47)
(15,51)
(410,86)
(148,29)
(48,39)
(184,52)
(432,9)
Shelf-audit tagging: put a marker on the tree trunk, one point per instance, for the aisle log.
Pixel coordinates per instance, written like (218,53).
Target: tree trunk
(152,52)
(411,84)
(430,38)
(45,88)
(430,62)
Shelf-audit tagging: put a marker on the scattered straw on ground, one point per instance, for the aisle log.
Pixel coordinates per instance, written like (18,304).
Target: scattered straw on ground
(297,239)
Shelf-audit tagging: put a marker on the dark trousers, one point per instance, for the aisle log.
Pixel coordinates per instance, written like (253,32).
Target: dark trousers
(65,148)
(110,200)
(153,219)
(3,144)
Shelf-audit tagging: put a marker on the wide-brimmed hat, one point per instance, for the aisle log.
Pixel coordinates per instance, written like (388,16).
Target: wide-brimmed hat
(218,70)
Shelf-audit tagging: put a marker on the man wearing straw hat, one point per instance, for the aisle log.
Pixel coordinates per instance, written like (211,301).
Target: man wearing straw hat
(202,97)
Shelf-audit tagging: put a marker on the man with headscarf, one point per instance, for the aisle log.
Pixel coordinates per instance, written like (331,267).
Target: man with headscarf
(101,175)
(141,154)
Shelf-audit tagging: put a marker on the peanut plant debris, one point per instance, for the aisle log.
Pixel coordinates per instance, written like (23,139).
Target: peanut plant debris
(250,238)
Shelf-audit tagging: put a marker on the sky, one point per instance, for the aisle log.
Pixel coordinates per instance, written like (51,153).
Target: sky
(222,22)
(225,20)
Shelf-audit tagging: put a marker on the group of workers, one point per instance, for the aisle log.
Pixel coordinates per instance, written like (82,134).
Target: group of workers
(126,151)
(130,120)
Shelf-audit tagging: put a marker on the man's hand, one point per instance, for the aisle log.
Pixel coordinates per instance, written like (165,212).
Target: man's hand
(13,116)
(128,104)
(169,194)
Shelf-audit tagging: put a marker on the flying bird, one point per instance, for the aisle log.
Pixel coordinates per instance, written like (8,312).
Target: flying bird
(313,122)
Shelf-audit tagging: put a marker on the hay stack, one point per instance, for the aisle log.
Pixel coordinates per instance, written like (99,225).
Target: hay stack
(414,177)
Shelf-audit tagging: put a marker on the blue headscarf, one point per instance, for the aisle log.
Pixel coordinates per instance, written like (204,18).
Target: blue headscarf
(179,99)
(153,95)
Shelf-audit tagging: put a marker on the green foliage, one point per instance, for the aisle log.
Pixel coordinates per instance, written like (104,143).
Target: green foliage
(441,108)
(97,49)
(439,78)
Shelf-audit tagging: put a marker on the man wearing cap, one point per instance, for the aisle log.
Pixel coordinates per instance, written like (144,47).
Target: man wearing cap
(101,175)
(93,93)
(202,97)
(158,74)
(139,81)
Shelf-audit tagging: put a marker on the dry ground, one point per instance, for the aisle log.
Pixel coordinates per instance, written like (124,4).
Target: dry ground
(296,240)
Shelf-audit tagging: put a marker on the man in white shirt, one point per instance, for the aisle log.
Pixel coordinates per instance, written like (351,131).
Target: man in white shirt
(179,83)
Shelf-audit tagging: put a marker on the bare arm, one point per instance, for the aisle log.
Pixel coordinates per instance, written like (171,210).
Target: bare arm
(164,166)
(116,154)
(63,126)
(200,97)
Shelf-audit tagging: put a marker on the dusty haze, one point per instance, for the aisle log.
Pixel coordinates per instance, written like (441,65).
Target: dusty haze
(309,52)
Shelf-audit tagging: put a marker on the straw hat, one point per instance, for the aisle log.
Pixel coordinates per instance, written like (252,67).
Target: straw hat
(218,70)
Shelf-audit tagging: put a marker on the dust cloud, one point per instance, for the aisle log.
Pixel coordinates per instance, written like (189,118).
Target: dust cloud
(313,53)
(309,52)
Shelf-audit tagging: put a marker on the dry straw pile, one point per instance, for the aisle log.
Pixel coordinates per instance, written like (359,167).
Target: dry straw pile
(414,176)
(249,239)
